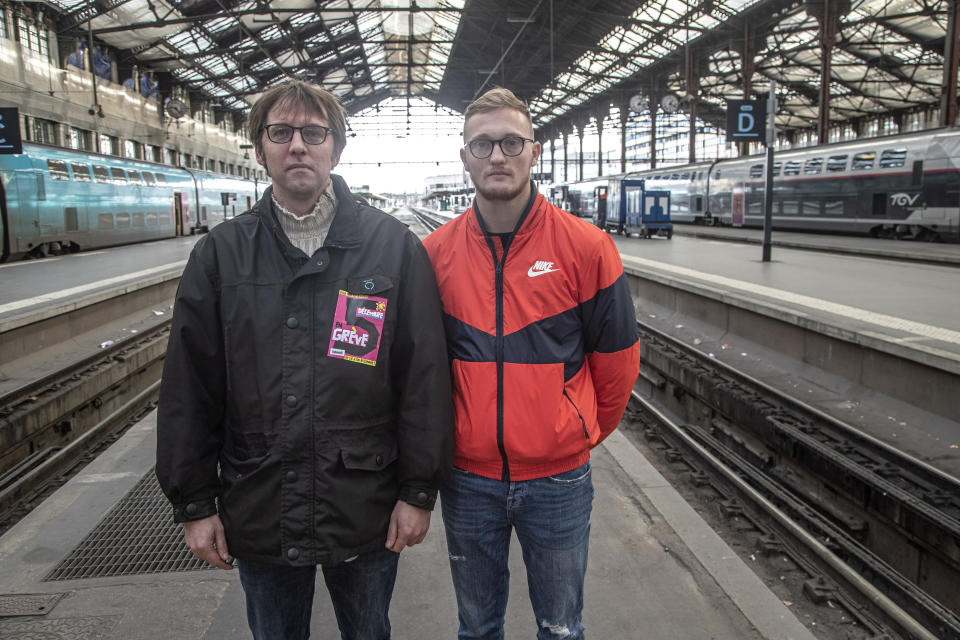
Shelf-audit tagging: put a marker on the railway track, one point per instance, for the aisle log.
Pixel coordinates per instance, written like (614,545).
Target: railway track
(50,426)
(877,532)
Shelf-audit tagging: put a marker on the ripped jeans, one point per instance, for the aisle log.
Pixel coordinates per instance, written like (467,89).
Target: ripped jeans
(552,520)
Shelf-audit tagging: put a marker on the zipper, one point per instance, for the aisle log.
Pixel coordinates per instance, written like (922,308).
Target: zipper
(583,423)
(498,271)
(498,349)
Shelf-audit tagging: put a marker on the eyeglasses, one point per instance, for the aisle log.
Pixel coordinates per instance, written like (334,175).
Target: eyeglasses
(283,133)
(510,146)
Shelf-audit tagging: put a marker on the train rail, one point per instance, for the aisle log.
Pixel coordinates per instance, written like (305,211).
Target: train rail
(883,527)
(51,425)
(430,219)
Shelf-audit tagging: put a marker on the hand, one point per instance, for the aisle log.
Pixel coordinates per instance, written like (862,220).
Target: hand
(205,539)
(408,526)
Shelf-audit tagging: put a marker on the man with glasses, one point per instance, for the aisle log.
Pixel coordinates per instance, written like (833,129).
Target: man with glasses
(305,415)
(544,349)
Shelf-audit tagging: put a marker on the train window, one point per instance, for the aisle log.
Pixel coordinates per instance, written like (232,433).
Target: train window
(792,168)
(81,172)
(756,171)
(161,179)
(134,176)
(917,177)
(58,170)
(123,220)
(684,176)
(148,179)
(813,165)
(699,203)
(675,176)
(863,160)
(105,221)
(776,168)
(151,219)
(837,163)
(893,158)
(119,177)
(100,174)
(70,219)
(138,220)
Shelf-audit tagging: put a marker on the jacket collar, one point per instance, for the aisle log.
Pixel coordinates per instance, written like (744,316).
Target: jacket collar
(528,221)
(344,231)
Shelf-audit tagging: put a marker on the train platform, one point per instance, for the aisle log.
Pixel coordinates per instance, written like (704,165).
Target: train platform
(655,566)
(907,250)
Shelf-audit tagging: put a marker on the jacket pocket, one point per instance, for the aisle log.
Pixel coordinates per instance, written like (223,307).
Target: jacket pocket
(373,456)
(362,487)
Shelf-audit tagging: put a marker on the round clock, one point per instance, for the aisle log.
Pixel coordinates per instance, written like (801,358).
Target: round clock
(176,108)
(638,103)
(670,103)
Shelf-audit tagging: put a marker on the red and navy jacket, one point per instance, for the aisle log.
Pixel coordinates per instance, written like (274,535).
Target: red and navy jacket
(542,337)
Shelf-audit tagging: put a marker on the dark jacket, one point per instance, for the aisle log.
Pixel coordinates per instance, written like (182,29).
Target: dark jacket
(320,385)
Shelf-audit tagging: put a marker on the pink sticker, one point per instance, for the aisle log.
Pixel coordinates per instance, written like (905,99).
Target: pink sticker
(357,326)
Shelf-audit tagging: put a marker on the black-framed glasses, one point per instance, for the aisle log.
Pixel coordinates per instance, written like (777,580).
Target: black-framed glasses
(283,133)
(510,146)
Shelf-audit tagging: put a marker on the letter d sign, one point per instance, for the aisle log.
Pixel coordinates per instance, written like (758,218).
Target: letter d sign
(746,120)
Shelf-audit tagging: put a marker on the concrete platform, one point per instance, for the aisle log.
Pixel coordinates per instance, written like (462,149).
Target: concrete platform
(656,570)
(906,250)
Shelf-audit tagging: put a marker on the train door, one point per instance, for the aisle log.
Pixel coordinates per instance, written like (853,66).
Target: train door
(737,205)
(631,206)
(181,212)
(4,225)
(600,197)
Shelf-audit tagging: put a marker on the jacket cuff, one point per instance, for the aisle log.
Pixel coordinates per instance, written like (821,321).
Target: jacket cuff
(419,497)
(195,510)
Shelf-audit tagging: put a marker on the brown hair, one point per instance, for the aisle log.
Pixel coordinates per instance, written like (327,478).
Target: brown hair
(496,98)
(297,93)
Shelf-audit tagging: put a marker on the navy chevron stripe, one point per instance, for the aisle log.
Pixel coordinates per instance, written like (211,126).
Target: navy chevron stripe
(609,319)
(557,339)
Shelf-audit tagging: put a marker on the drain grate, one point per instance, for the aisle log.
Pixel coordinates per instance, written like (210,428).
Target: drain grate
(28,604)
(85,628)
(137,536)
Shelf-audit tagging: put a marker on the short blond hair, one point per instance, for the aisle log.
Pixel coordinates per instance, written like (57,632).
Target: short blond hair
(496,98)
(297,93)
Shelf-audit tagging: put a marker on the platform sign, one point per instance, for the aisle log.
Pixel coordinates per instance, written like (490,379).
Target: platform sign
(10,130)
(746,120)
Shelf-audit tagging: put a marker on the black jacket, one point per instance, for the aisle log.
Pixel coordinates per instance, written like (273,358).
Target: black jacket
(320,385)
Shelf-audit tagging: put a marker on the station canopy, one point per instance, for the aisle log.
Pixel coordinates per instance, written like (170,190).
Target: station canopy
(563,56)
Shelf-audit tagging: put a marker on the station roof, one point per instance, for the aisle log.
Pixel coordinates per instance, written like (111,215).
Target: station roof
(568,58)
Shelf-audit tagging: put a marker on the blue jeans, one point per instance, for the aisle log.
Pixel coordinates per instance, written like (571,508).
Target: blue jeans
(280,598)
(552,519)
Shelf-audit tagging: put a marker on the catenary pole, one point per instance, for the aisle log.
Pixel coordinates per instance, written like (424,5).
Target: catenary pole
(768,189)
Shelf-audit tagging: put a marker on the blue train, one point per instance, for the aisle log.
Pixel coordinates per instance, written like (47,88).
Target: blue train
(902,186)
(55,200)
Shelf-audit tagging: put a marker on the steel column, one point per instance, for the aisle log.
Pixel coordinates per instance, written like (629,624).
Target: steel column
(951,66)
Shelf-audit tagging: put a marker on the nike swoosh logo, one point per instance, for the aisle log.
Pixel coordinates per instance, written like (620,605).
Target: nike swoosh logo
(534,274)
